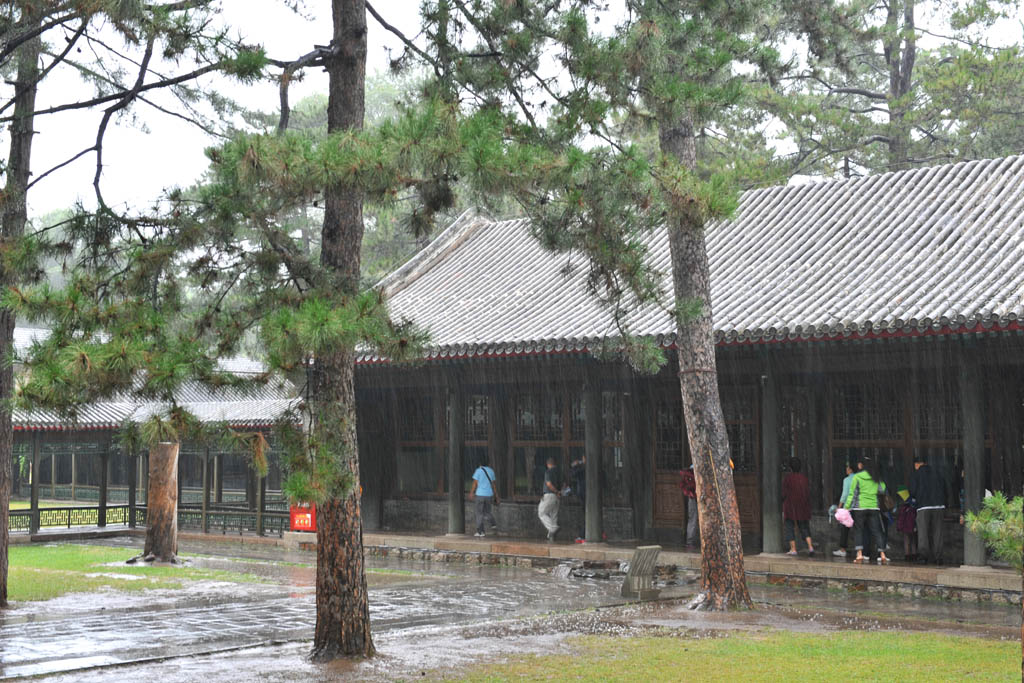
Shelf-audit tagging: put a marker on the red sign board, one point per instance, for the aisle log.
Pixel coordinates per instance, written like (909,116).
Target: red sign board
(303,517)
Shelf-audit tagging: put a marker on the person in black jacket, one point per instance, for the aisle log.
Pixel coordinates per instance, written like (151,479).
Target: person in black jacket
(929,489)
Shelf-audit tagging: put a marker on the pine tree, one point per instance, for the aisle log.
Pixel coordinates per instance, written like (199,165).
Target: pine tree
(902,84)
(559,88)
(175,32)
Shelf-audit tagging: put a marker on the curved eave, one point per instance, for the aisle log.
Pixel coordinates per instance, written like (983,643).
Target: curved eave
(928,329)
(112,427)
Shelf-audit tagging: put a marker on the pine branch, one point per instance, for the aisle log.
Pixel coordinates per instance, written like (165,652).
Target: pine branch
(57,59)
(114,97)
(317,57)
(13,43)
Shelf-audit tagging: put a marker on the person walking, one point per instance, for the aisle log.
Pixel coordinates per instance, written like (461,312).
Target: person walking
(930,491)
(796,506)
(688,483)
(844,531)
(485,494)
(862,501)
(547,511)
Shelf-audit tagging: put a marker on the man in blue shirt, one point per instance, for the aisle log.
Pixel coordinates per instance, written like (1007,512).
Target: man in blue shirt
(485,493)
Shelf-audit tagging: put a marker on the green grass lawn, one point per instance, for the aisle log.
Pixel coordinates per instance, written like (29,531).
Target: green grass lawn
(771,656)
(24,504)
(41,572)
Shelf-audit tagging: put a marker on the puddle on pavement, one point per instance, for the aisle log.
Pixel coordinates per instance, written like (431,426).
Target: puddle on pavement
(426,616)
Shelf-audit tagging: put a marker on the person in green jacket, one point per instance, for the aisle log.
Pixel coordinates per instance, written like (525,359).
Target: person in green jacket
(865,488)
(844,531)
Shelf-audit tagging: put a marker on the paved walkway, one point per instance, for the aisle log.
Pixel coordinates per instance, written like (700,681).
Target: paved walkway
(106,631)
(96,634)
(824,566)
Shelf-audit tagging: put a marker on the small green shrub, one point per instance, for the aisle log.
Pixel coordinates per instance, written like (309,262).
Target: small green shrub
(1000,524)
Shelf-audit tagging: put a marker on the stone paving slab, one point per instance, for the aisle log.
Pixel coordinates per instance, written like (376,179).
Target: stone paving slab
(37,643)
(970,578)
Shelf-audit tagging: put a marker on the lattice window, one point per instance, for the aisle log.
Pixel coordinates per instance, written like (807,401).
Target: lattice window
(668,435)
(577,419)
(477,417)
(862,412)
(611,416)
(416,418)
(738,406)
(742,446)
(937,413)
(538,417)
(794,430)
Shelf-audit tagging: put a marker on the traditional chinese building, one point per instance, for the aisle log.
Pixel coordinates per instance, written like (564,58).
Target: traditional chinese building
(83,460)
(872,316)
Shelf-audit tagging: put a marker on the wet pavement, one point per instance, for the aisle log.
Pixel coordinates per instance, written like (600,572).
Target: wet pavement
(426,617)
(107,629)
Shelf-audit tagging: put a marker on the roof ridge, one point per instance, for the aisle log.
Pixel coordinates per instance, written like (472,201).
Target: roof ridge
(886,176)
(468,222)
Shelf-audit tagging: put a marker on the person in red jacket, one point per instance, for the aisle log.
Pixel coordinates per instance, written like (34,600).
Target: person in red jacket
(688,483)
(796,506)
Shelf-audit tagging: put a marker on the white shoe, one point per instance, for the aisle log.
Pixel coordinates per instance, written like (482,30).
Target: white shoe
(479,534)
(839,553)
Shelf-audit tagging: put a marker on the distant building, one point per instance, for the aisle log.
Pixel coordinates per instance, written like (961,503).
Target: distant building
(874,316)
(81,459)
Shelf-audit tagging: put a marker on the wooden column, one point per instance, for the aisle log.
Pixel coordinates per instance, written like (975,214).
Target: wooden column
(593,441)
(144,476)
(771,484)
(53,475)
(33,524)
(206,491)
(971,418)
(456,431)
(499,451)
(74,473)
(218,478)
(824,451)
(250,488)
(133,476)
(181,479)
(101,518)
(636,421)
(261,496)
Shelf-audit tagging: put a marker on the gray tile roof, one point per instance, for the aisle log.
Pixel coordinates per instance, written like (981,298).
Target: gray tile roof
(924,251)
(257,407)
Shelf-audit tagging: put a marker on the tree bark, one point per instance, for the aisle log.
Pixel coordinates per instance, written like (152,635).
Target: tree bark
(900,50)
(723,582)
(342,606)
(14,208)
(162,504)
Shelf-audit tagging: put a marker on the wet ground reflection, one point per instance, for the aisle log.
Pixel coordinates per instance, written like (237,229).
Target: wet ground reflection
(425,615)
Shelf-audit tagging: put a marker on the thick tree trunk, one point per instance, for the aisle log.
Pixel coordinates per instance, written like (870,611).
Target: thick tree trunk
(13,207)
(723,582)
(342,606)
(900,51)
(162,504)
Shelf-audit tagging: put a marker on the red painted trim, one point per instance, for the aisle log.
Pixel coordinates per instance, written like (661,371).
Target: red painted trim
(1013,326)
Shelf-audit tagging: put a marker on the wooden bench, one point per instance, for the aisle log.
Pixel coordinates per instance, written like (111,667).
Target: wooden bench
(639,581)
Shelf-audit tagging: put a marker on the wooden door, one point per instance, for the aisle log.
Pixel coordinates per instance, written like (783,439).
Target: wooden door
(669,446)
(739,405)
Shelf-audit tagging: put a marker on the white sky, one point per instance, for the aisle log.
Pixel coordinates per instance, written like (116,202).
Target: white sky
(157,151)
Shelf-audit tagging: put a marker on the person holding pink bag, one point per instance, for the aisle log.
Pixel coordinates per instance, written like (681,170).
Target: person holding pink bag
(846,521)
